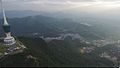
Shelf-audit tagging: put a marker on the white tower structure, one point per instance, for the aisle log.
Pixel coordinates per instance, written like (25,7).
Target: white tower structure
(8,40)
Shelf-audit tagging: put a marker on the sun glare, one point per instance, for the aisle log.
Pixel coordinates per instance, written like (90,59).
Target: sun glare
(97,4)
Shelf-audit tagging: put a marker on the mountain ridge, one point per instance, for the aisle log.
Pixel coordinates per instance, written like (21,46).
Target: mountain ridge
(54,53)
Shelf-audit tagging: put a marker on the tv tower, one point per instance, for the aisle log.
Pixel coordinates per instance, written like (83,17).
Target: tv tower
(8,40)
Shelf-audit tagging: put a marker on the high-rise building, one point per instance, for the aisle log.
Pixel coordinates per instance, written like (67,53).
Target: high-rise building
(8,40)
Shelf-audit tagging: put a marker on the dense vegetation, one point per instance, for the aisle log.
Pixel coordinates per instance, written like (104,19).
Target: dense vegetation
(54,53)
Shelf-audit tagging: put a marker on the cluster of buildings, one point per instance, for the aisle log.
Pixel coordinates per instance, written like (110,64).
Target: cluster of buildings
(87,49)
(114,57)
(100,43)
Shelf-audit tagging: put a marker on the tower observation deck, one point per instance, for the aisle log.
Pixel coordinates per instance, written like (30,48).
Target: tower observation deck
(8,40)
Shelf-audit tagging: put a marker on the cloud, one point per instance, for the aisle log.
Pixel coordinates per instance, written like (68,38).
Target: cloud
(54,4)
(60,0)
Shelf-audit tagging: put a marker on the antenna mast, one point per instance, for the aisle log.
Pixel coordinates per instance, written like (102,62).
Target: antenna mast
(3,11)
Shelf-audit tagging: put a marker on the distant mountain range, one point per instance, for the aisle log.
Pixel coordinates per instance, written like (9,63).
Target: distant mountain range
(20,14)
(57,22)
(66,52)
(51,27)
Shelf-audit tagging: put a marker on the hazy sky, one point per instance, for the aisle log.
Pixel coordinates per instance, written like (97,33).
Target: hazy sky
(57,5)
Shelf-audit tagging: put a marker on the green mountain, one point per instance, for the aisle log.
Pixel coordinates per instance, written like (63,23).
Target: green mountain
(51,27)
(54,53)
(21,14)
(64,52)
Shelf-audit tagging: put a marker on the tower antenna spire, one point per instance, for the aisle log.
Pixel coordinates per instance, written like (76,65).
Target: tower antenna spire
(8,40)
(3,11)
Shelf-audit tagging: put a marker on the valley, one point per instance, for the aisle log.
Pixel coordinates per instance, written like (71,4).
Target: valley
(59,42)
